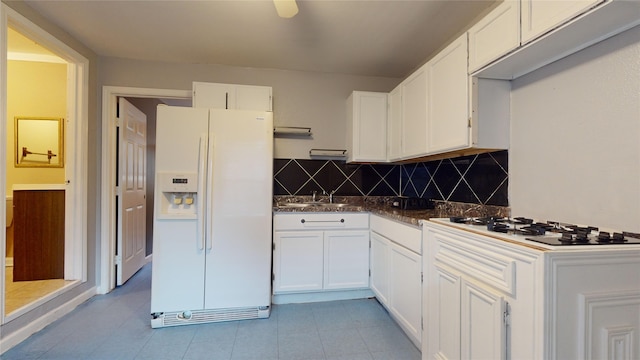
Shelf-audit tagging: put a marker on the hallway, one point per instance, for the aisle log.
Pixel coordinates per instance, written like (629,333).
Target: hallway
(117,326)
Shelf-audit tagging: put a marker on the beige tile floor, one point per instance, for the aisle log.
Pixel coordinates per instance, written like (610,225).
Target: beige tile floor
(18,294)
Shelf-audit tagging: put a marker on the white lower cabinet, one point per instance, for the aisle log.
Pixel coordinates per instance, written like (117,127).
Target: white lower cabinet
(346,259)
(298,261)
(405,290)
(486,298)
(468,318)
(320,252)
(476,292)
(396,272)
(482,322)
(379,258)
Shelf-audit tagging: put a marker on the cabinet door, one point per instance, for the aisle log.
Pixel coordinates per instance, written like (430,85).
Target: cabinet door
(367,127)
(379,258)
(298,261)
(249,97)
(346,259)
(494,35)
(541,16)
(38,234)
(443,312)
(482,325)
(213,96)
(414,114)
(448,91)
(405,290)
(394,128)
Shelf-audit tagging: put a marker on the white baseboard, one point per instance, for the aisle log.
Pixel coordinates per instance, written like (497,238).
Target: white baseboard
(22,334)
(321,296)
(8,261)
(148,259)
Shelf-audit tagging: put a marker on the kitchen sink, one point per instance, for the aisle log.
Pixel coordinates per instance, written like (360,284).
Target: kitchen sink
(314,205)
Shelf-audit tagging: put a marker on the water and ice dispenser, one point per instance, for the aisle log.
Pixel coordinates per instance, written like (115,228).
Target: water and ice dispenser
(178,195)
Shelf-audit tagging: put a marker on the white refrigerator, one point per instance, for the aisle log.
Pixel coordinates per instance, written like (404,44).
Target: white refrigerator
(212,216)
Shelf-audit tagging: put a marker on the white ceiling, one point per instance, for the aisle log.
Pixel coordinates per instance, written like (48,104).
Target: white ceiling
(388,38)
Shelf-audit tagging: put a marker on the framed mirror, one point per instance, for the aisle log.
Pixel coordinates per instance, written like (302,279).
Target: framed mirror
(39,142)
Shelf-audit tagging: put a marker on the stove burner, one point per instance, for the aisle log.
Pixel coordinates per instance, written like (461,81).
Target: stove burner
(470,220)
(522,220)
(566,238)
(618,238)
(615,238)
(603,237)
(582,237)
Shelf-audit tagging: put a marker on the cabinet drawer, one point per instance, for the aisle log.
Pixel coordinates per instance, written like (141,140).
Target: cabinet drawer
(314,221)
(405,235)
(478,261)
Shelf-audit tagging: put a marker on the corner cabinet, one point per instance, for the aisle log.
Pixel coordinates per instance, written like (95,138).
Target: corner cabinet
(367,127)
(320,252)
(396,272)
(232,96)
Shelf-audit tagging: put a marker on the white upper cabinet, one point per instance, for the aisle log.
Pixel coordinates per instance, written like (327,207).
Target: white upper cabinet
(367,127)
(212,95)
(447,105)
(250,97)
(494,35)
(541,16)
(394,124)
(549,30)
(439,109)
(413,140)
(231,96)
(490,104)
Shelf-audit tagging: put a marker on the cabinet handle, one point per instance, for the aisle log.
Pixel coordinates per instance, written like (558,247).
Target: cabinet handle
(322,221)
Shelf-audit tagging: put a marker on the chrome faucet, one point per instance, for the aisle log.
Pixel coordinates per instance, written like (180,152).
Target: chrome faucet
(331,196)
(313,195)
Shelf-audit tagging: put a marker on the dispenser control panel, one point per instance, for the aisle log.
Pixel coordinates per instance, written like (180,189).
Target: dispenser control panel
(179,182)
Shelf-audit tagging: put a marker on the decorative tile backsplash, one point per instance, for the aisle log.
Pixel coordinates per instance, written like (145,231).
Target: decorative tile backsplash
(477,179)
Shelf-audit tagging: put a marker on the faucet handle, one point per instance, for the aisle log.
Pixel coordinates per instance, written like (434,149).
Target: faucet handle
(313,195)
(331,195)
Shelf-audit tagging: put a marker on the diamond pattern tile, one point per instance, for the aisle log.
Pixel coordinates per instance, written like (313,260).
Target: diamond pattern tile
(478,179)
(446,178)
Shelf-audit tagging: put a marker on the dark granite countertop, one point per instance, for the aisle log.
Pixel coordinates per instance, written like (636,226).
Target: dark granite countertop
(382,206)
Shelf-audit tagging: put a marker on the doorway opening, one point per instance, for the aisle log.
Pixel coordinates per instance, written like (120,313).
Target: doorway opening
(36,92)
(43,118)
(146,100)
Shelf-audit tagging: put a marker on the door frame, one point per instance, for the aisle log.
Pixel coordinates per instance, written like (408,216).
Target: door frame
(108,193)
(76,139)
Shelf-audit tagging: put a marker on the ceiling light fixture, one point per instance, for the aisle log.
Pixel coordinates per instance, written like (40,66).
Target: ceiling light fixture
(286,8)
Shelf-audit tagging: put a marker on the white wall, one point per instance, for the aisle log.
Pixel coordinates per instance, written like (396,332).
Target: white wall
(316,100)
(575,137)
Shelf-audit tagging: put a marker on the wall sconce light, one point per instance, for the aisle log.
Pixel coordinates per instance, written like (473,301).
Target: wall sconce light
(286,8)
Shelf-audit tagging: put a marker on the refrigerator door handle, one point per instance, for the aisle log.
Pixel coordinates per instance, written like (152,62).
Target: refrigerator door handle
(209,222)
(202,196)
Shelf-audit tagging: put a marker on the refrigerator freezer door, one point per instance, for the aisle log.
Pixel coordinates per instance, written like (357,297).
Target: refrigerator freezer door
(177,281)
(238,264)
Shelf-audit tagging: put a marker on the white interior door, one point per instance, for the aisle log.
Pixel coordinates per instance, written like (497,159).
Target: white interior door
(132,161)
